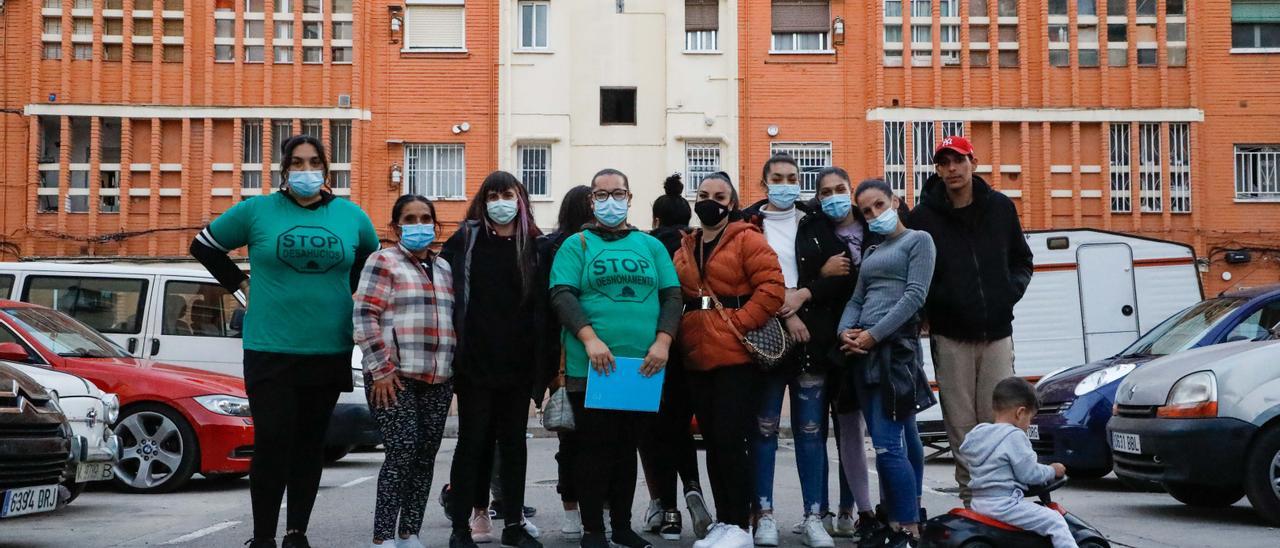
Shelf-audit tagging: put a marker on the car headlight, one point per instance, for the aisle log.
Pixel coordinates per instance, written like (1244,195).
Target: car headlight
(225,405)
(1051,374)
(111,408)
(1195,395)
(1103,377)
(357,378)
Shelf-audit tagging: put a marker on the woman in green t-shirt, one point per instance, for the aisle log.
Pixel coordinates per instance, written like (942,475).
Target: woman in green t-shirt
(616,293)
(306,249)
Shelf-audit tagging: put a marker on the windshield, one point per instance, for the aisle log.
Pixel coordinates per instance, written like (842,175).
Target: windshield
(1184,329)
(63,335)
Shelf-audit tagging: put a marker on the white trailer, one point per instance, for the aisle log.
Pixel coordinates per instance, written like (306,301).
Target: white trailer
(1093,293)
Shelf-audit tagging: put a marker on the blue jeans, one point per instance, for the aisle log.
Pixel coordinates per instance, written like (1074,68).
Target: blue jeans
(808,427)
(899,457)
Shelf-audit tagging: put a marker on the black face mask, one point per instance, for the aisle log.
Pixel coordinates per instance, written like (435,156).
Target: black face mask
(710,212)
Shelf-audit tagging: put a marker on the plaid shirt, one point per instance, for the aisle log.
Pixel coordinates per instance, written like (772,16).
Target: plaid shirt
(404,321)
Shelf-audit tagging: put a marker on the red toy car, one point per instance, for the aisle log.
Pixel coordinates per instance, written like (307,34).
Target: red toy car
(174,421)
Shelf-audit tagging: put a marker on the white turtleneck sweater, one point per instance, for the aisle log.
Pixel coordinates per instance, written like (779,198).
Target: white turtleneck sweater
(780,229)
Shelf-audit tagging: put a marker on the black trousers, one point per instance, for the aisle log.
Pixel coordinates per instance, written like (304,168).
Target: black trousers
(667,448)
(564,467)
(725,402)
(291,409)
(604,463)
(489,416)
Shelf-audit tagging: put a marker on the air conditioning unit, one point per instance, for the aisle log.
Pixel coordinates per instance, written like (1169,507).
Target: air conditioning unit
(344,100)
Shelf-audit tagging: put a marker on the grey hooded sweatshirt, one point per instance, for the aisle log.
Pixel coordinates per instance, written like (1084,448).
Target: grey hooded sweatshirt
(1001,460)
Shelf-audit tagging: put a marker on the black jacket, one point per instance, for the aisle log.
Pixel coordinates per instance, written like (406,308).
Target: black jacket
(983,264)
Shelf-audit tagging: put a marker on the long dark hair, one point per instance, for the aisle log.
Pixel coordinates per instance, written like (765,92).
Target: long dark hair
(405,200)
(575,210)
(286,155)
(526,230)
(672,209)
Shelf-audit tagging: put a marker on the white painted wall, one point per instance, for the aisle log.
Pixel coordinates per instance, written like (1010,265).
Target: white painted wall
(552,96)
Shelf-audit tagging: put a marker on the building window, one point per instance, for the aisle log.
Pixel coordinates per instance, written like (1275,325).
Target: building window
(1057,7)
(313,128)
(341,6)
(1255,24)
(977,8)
(173,27)
(1121,182)
(280,131)
(435,171)
(700,160)
(283,55)
(109,203)
(952,128)
(1118,8)
(922,155)
(1149,191)
(52,51)
(921,45)
(1147,8)
(312,55)
(341,30)
(83,52)
(812,158)
(311,30)
(1007,8)
(435,25)
(221,53)
(311,6)
(617,106)
(112,52)
(1180,168)
(253,54)
(141,27)
(142,53)
(82,27)
(533,25)
(701,25)
(340,148)
(78,193)
(284,6)
(253,30)
(251,154)
(1257,172)
(342,55)
(1009,58)
(801,25)
(284,29)
(535,168)
(893,8)
(895,159)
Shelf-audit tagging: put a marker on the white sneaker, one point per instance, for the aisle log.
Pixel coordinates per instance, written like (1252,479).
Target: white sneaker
(481,526)
(798,528)
(571,529)
(530,528)
(714,533)
(815,533)
(845,526)
(653,517)
(766,531)
(735,537)
(412,542)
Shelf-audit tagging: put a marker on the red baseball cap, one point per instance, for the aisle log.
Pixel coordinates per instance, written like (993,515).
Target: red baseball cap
(956,144)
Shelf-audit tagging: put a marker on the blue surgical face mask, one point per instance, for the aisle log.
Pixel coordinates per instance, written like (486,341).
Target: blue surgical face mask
(886,223)
(783,196)
(612,212)
(502,211)
(417,237)
(305,184)
(837,206)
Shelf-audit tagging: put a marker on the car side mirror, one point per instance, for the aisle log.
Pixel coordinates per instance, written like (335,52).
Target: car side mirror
(14,352)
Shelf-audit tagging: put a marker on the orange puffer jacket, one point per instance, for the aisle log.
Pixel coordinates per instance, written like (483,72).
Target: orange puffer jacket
(741,264)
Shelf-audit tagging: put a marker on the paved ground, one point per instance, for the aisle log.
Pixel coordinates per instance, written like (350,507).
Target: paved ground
(208,514)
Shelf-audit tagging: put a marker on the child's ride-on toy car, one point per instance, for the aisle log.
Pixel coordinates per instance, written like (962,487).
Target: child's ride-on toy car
(962,528)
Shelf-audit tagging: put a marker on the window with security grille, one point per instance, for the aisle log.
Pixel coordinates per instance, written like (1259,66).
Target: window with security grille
(251,154)
(700,160)
(1257,172)
(435,171)
(811,157)
(1149,181)
(1180,168)
(922,156)
(952,128)
(340,153)
(1121,180)
(895,159)
(535,168)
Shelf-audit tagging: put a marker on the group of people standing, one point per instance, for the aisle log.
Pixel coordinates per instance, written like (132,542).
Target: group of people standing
(503,313)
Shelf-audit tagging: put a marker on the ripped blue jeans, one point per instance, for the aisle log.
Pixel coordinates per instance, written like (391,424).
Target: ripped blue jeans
(808,427)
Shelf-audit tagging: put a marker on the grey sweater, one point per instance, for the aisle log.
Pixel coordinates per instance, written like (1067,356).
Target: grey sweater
(892,284)
(1000,460)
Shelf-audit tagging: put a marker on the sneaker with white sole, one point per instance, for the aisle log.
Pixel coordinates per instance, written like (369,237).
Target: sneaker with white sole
(698,513)
(531,528)
(827,523)
(766,531)
(845,526)
(735,537)
(815,533)
(481,526)
(571,529)
(653,517)
(714,533)
(412,542)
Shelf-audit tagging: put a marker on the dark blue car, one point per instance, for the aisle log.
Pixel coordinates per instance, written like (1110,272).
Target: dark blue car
(1075,403)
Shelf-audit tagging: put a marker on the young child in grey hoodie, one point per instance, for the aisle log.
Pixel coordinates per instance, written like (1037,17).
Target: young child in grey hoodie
(1003,465)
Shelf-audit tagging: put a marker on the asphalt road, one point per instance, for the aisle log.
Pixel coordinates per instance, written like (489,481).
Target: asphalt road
(217,514)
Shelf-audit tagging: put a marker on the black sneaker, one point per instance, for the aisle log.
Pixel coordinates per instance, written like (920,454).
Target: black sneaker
(461,539)
(264,543)
(495,510)
(901,539)
(867,527)
(871,533)
(627,538)
(295,540)
(515,536)
(593,540)
(444,496)
(671,526)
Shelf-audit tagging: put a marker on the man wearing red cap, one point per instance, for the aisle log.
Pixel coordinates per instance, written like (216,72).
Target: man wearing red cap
(983,268)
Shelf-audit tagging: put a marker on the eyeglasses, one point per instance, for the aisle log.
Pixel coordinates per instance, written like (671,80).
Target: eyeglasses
(617,194)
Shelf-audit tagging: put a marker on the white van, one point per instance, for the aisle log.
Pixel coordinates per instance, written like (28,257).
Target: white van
(169,314)
(1093,293)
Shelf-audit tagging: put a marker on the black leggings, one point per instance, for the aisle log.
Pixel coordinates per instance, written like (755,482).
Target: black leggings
(288,451)
(485,416)
(603,462)
(725,402)
(667,449)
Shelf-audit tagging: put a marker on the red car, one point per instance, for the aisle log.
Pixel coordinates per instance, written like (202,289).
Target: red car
(174,421)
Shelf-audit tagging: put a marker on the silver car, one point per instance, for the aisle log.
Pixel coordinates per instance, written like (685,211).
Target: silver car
(1205,424)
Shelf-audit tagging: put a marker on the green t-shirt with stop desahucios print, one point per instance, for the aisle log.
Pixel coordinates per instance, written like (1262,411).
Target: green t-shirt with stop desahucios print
(300,261)
(618,283)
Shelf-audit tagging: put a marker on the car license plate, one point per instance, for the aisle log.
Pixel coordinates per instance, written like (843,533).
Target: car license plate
(94,471)
(29,500)
(1033,432)
(1126,443)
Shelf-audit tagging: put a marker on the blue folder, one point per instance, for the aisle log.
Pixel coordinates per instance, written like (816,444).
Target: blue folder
(625,389)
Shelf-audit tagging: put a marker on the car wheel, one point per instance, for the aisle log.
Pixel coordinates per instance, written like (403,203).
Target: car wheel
(1204,496)
(1087,473)
(334,453)
(1262,475)
(158,450)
